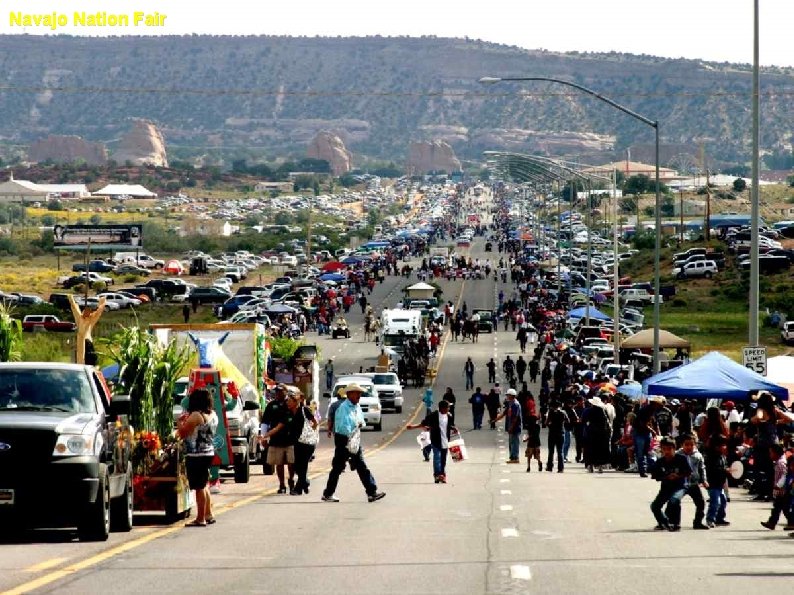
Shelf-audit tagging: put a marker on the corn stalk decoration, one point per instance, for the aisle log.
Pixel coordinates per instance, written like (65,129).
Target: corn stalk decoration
(10,335)
(148,373)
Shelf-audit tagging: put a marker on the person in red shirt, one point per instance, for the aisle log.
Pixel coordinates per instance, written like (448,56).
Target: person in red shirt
(434,340)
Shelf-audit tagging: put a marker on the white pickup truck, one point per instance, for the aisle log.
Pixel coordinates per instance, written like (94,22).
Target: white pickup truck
(140,259)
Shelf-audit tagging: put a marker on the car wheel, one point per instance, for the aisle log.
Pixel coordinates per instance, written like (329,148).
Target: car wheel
(121,507)
(95,521)
(378,427)
(399,409)
(242,468)
(680,276)
(708,275)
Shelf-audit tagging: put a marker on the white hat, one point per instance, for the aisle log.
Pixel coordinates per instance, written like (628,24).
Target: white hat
(511,392)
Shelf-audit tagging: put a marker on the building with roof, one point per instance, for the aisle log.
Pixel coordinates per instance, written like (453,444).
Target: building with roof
(21,191)
(632,168)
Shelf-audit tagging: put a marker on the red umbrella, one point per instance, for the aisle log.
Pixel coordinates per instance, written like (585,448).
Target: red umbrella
(333,266)
(331,294)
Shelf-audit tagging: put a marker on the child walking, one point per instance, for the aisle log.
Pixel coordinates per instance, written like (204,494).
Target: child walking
(781,491)
(533,441)
(716,478)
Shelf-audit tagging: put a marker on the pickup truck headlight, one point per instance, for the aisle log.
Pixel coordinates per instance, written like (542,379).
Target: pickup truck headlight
(76,444)
(374,407)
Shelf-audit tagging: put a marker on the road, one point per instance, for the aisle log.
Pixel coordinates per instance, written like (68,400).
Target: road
(492,529)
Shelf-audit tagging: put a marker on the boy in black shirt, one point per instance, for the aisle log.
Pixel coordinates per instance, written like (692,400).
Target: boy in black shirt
(671,470)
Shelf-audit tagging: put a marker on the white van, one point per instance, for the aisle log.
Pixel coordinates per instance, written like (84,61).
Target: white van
(370,403)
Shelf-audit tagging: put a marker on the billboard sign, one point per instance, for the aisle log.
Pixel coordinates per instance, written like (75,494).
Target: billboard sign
(78,237)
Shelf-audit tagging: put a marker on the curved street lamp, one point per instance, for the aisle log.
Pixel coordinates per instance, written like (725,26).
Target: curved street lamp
(490,80)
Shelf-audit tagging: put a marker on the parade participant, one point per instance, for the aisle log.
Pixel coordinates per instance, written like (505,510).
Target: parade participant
(329,373)
(348,421)
(512,417)
(493,404)
(781,490)
(716,478)
(280,416)
(555,422)
(305,444)
(671,470)
(427,399)
(468,372)
(695,479)
(521,368)
(491,365)
(534,368)
(440,425)
(198,429)
(532,425)
(451,399)
(644,429)
(477,401)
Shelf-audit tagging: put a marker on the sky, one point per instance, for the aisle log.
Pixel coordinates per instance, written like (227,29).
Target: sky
(715,30)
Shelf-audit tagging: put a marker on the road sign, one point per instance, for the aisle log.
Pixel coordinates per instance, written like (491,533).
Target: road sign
(755,359)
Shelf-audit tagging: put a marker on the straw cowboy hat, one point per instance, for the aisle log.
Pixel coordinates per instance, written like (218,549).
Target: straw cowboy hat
(596,401)
(352,388)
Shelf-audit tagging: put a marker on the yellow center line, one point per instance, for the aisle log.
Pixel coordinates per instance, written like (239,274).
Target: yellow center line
(135,543)
(46,565)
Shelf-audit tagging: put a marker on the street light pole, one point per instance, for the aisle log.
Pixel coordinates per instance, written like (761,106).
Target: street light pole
(754,203)
(653,124)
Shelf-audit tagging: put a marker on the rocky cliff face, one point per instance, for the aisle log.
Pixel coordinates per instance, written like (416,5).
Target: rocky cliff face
(143,145)
(432,155)
(68,149)
(330,147)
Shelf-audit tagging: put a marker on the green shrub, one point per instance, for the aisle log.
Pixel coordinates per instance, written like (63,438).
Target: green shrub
(679,303)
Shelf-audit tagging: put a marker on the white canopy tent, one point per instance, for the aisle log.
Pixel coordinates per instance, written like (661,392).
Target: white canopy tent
(134,190)
(780,370)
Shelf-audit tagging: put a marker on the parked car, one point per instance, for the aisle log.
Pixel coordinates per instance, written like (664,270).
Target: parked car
(209,295)
(787,332)
(87,277)
(24,299)
(128,268)
(120,299)
(94,266)
(60,301)
(47,322)
(65,450)
(700,268)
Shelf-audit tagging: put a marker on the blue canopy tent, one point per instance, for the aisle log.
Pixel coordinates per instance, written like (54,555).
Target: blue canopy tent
(352,260)
(595,313)
(336,277)
(713,376)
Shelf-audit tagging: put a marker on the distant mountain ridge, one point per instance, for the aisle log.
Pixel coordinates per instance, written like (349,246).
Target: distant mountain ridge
(249,96)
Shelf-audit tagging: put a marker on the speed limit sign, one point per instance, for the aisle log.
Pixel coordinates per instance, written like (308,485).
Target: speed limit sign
(755,359)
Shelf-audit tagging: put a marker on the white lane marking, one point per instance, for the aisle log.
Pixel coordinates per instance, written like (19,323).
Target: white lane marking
(509,532)
(505,508)
(506,470)
(504,480)
(520,572)
(506,492)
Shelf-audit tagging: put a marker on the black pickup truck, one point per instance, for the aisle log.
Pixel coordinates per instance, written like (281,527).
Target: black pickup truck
(94,266)
(64,450)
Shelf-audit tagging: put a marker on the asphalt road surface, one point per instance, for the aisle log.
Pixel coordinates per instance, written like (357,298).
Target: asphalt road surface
(492,529)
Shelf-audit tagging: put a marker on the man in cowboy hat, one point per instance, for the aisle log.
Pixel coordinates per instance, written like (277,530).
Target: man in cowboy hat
(347,424)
